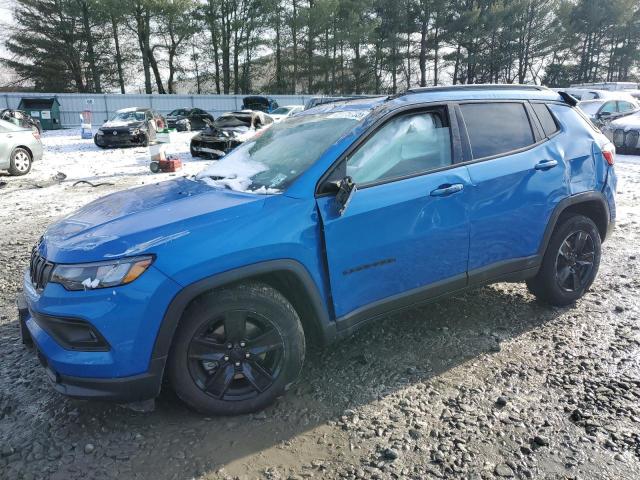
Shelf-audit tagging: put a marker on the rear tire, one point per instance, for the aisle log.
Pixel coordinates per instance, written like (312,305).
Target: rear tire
(236,350)
(570,263)
(20,162)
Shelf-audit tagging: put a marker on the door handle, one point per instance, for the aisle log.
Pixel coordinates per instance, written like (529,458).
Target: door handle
(445,190)
(546,164)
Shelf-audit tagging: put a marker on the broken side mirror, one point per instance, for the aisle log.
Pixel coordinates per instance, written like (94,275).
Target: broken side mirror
(346,188)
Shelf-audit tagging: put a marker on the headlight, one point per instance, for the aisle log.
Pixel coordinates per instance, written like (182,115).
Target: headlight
(100,133)
(87,276)
(182,120)
(134,131)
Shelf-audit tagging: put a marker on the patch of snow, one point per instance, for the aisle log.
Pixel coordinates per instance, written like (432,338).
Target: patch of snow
(89,284)
(80,159)
(635,159)
(232,172)
(114,124)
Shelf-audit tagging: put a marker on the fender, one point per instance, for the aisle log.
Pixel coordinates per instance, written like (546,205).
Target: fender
(326,326)
(571,201)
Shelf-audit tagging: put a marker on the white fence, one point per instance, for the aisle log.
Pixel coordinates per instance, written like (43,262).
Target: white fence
(104,105)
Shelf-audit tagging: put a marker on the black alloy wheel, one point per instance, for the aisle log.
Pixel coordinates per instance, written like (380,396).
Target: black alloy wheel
(570,262)
(574,262)
(236,350)
(236,356)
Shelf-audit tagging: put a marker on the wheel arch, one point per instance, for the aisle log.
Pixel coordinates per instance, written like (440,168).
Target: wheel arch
(289,277)
(24,147)
(590,204)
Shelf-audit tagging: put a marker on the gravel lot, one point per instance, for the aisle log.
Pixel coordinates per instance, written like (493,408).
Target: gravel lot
(482,385)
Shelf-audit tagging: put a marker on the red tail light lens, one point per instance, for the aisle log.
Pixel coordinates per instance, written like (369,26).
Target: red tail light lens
(609,153)
(36,134)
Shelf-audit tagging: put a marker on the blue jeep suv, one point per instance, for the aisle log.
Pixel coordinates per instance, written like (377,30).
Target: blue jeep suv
(334,217)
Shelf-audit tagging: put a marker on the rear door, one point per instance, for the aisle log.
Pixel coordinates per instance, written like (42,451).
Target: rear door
(405,231)
(518,177)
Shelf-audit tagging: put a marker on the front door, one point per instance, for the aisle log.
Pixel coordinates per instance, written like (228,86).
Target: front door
(405,232)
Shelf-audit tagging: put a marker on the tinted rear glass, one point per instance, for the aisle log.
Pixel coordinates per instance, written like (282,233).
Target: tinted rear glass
(549,124)
(496,128)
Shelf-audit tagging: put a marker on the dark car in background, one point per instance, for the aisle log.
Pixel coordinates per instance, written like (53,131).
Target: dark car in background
(187,119)
(259,102)
(130,127)
(20,118)
(227,132)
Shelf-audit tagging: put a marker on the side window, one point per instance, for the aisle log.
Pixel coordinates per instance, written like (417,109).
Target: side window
(625,106)
(547,121)
(608,107)
(406,145)
(496,128)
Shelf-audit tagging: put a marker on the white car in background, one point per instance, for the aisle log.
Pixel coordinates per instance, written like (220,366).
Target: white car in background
(281,113)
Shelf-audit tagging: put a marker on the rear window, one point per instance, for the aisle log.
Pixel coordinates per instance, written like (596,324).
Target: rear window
(496,128)
(549,125)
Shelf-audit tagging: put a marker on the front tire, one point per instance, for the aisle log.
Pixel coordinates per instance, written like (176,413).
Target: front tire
(98,142)
(236,350)
(570,263)
(20,162)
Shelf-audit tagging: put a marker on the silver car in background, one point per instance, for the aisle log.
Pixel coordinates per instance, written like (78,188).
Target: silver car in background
(603,111)
(19,148)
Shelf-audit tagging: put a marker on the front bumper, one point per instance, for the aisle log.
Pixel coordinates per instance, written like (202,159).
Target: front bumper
(121,139)
(128,389)
(212,147)
(37,151)
(626,141)
(127,318)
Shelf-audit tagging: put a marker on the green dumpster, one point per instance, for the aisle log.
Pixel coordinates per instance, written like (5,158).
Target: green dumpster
(47,110)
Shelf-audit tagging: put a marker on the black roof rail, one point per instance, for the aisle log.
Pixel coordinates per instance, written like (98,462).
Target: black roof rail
(481,86)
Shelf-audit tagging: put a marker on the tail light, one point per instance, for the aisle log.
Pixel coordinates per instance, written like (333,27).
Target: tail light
(36,134)
(609,153)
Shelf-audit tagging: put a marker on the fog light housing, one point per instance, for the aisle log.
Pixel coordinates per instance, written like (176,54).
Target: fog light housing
(72,333)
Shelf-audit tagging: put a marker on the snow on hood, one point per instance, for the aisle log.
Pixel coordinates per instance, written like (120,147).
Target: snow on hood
(118,123)
(629,121)
(233,173)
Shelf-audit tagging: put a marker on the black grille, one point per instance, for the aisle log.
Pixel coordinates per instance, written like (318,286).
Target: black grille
(40,270)
(631,139)
(618,137)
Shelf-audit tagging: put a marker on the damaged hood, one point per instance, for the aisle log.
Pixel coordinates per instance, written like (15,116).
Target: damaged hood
(120,123)
(627,122)
(142,220)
